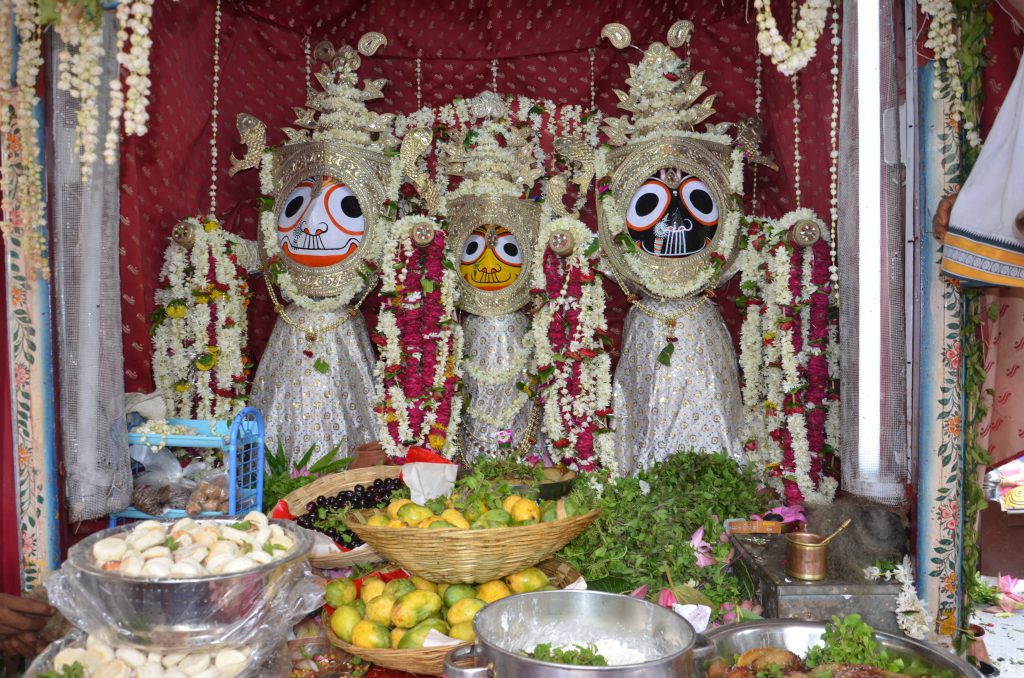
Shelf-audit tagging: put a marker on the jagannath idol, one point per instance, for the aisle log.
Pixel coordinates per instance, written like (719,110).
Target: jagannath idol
(493,232)
(322,237)
(668,225)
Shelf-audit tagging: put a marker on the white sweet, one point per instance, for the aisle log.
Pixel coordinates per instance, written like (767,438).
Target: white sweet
(260,557)
(154,657)
(183,525)
(131,656)
(194,664)
(215,564)
(225,547)
(67,657)
(212,672)
(149,670)
(140,540)
(156,552)
(174,673)
(239,565)
(257,518)
(207,536)
(99,654)
(186,568)
(115,669)
(172,659)
(132,566)
(158,567)
(196,553)
(109,549)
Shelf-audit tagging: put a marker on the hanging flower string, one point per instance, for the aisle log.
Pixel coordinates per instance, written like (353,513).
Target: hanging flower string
(419,402)
(787,337)
(791,57)
(571,340)
(199,326)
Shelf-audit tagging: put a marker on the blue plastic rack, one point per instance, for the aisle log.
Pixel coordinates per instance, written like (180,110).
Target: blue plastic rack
(243,446)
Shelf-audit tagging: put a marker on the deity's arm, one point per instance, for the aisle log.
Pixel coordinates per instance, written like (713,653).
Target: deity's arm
(245,249)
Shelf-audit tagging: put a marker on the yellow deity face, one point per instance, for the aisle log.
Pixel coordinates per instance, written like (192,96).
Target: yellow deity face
(491,258)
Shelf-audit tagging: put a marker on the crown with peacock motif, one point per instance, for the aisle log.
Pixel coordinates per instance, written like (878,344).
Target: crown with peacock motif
(663,90)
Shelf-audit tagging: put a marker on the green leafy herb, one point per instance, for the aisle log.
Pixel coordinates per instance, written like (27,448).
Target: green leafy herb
(171,544)
(72,670)
(647,521)
(773,671)
(270,548)
(280,481)
(243,525)
(321,366)
(577,655)
(851,640)
(427,284)
(665,356)
(595,244)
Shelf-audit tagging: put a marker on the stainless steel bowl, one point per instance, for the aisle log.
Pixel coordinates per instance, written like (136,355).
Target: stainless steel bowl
(507,627)
(179,614)
(799,636)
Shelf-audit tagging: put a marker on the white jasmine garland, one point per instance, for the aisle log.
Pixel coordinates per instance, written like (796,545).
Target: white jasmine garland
(911,612)
(791,57)
(194,302)
(944,41)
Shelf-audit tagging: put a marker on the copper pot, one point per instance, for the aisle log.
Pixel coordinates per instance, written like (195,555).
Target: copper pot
(367,455)
(806,556)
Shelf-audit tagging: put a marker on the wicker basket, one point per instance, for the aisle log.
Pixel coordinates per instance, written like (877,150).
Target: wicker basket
(330,485)
(475,556)
(429,661)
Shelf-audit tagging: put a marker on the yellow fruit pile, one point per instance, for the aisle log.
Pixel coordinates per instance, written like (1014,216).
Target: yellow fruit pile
(514,511)
(400,613)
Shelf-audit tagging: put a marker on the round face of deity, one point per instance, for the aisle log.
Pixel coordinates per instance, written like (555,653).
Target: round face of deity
(491,258)
(672,214)
(321,222)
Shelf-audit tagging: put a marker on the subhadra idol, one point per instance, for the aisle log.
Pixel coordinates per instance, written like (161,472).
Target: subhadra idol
(668,227)
(321,241)
(494,230)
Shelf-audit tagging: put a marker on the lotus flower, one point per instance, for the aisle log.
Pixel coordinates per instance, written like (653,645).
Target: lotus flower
(640,593)
(1009,599)
(667,599)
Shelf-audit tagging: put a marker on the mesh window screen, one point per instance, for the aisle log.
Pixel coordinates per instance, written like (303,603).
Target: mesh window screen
(88,305)
(879,475)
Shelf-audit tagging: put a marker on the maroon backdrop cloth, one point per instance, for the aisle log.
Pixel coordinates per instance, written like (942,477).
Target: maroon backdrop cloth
(542,52)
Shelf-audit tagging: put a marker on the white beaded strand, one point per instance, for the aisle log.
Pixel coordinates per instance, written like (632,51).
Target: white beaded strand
(796,124)
(593,86)
(833,209)
(214,109)
(307,52)
(758,97)
(419,83)
(494,75)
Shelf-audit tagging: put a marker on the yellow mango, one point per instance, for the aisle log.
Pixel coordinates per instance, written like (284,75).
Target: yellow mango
(414,637)
(414,513)
(371,634)
(344,620)
(464,610)
(395,505)
(421,583)
(379,609)
(453,517)
(378,520)
(463,631)
(371,588)
(525,581)
(396,637)
(525,509)
(414,607)
(492,591)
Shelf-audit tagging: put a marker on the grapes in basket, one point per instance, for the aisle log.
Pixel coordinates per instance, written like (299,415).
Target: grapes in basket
(326,514)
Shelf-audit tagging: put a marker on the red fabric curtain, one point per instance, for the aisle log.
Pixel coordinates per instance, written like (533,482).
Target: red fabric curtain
(542,51)
(10,560)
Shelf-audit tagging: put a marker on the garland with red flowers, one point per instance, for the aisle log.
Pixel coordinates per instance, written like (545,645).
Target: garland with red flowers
(419,339)
(789,359)
(571,340)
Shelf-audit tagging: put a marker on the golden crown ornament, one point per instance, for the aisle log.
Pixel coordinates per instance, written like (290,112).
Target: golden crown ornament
(668,208)
(329,180)
(489,213)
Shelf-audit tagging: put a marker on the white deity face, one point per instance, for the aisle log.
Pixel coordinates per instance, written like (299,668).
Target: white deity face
(672,214)
(321,223)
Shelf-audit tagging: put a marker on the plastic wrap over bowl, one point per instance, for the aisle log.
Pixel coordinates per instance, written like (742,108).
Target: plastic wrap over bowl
(181,614)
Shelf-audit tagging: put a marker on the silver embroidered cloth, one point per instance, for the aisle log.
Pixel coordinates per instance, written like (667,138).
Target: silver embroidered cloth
(494,345)
(302,406)
(692,404)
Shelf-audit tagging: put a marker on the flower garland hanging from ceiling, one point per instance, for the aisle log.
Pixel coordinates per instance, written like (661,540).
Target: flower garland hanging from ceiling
(79,23)
(791,57)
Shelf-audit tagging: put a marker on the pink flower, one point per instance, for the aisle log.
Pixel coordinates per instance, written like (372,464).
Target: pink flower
(667,599)
(1007,584)
(701,548)
(21,375)
(504,436)
(299,472)
(640,593)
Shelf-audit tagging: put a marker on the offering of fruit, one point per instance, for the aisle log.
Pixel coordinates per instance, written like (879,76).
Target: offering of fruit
(400,613)
(326,514)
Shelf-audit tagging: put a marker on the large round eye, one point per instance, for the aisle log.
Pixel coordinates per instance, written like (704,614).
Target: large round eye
(343,209)
(295,205)
(506,248)
(697,197)
(474,249)
(648,206)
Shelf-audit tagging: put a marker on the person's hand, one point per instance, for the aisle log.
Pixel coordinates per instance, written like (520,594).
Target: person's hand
(20,619)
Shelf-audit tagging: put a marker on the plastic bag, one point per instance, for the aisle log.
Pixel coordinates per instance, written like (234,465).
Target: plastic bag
(269,661)
(210,494)
(254,608)
(163,485)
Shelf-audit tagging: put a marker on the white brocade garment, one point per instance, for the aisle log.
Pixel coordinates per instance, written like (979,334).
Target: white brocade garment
(693,404)
(495,346)
(303,406)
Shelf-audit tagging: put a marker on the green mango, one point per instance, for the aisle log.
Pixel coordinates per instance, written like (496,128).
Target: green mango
(414,637)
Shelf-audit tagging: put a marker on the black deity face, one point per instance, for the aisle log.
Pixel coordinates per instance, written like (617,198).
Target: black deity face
(673,214)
